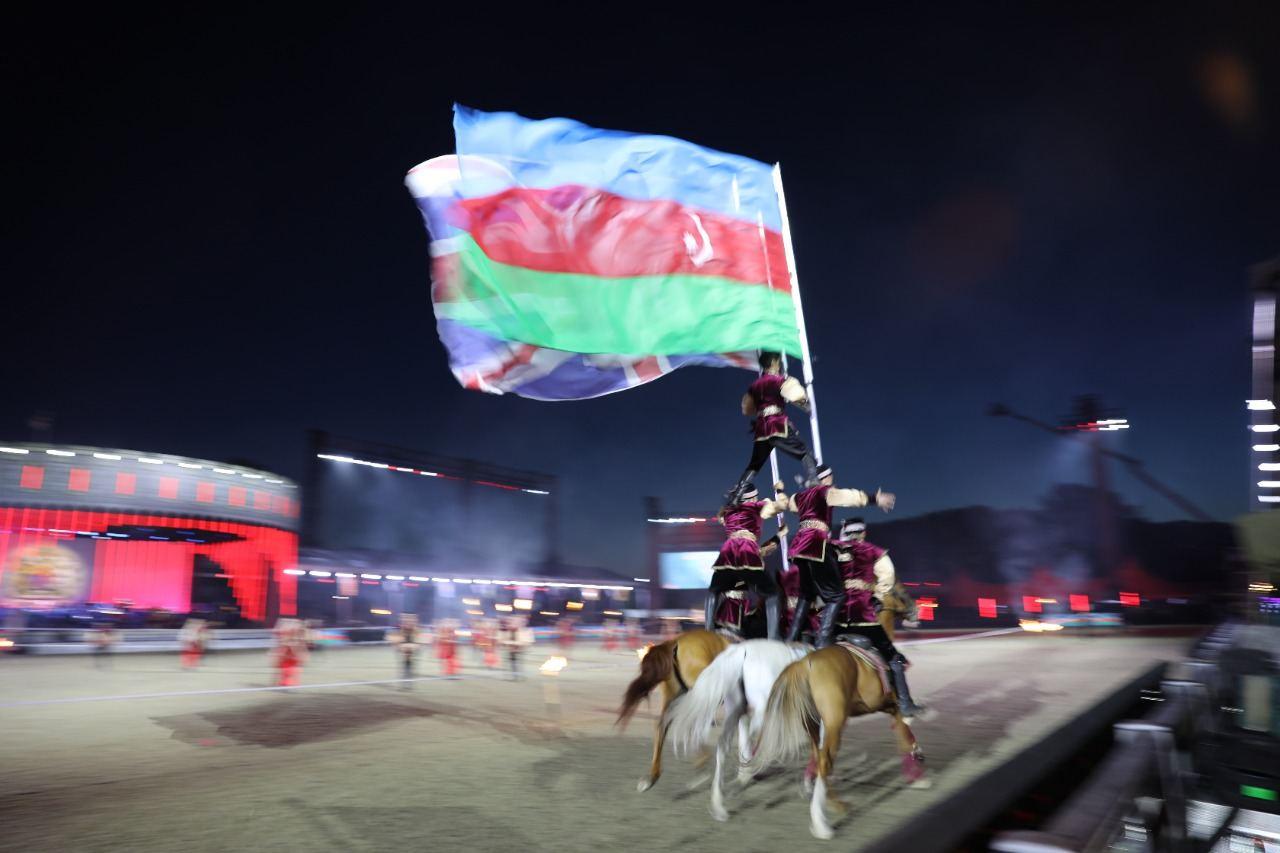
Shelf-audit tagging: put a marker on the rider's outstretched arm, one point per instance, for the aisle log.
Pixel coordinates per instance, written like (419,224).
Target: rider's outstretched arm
(857,498)
(777,506)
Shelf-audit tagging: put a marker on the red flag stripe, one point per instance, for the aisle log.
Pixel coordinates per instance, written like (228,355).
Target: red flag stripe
(576,229)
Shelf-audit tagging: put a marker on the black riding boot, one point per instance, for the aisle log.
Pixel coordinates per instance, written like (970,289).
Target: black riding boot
(906,705)
(744,482)
(773,617)
(827,626)
(810,470)
(713,600)
(798,620)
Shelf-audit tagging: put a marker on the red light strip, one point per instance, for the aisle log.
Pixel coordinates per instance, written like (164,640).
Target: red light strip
(496,485)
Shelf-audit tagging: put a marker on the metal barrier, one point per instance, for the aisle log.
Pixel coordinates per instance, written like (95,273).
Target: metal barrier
(1162,785)
(71,641)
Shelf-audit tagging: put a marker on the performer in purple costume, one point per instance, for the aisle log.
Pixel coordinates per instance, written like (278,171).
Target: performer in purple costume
(789,583)
(819,572)
(766,401)
(867,571)
(740,563)
(739,610)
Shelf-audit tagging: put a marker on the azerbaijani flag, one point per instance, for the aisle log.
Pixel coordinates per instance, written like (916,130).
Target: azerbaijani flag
(570,262)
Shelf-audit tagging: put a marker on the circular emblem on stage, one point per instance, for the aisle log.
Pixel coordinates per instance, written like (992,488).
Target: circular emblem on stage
(42,576)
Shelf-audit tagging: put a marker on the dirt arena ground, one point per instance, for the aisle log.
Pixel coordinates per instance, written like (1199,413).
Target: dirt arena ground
(145,757)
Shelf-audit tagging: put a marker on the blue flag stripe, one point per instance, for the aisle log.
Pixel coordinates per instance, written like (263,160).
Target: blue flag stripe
(516,151)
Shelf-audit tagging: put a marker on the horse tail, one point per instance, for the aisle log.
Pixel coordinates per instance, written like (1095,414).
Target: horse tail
(657,665)
(784,735)
(689,720)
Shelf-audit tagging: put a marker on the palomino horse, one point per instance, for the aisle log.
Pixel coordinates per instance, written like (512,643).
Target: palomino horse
(675,665)
(740,680)
(808,706)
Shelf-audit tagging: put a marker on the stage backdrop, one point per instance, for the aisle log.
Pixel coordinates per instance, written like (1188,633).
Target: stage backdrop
(95,524)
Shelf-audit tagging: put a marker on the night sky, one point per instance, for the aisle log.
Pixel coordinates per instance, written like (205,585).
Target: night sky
(210,248)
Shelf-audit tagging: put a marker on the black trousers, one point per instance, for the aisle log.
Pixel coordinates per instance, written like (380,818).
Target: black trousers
(822,578)
(791,444)
(757,580)
(877,636)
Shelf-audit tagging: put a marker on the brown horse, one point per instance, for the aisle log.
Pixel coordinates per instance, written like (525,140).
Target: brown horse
(807,709)
(897,603)
(675,665)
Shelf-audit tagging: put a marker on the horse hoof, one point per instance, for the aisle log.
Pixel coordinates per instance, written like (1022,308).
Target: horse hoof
(921,784)
(721,814)
(745,778)
(836,807)
(825,833)
(644,785)
(913,768)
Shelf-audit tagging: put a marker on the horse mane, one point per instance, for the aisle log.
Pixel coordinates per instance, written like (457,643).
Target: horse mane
(901,601)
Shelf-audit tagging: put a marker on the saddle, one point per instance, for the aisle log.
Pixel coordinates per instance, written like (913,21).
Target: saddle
(860,647)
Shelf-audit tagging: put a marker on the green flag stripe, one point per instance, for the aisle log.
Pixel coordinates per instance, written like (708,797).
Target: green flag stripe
(640,315)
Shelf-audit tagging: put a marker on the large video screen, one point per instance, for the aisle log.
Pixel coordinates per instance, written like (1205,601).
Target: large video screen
(686,569)
(430,524)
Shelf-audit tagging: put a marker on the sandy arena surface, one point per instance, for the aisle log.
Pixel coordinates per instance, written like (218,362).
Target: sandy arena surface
(145,757)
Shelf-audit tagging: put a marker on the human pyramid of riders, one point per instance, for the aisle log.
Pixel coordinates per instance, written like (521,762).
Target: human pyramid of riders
(832,585)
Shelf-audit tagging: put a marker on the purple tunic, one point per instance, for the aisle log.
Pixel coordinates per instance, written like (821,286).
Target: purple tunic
(766,392)
(810,542)
(733,611)
(857,559)
(790,583)
(742,551)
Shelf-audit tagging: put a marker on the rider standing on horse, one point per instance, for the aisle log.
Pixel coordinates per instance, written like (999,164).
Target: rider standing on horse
(867,571)
(740,563)
(766,401)
(819,571)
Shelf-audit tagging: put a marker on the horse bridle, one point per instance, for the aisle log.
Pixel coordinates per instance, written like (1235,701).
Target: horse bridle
(675,667)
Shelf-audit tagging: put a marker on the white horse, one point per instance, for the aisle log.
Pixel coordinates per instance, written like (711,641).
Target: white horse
(739,679)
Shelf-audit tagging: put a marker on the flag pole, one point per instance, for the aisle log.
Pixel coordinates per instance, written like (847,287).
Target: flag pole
(782,537)
(773,454)
(799,308)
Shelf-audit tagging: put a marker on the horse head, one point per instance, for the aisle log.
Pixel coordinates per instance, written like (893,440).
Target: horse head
(900,602)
